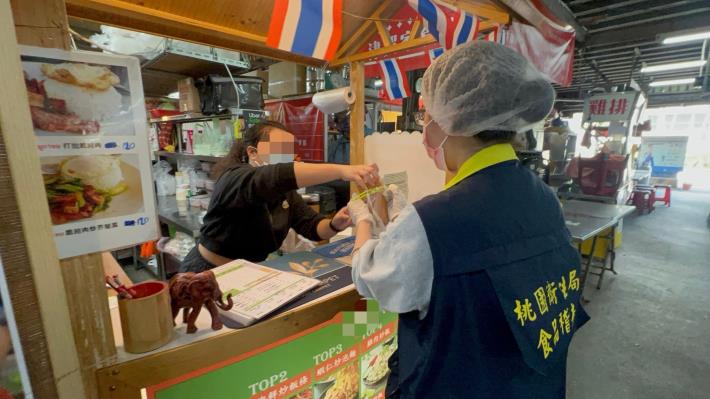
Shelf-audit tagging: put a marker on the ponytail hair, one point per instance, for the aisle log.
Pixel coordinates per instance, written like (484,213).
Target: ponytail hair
(238,153)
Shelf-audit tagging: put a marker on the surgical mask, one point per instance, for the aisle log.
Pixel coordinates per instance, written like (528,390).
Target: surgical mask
(280,158)
(435,153)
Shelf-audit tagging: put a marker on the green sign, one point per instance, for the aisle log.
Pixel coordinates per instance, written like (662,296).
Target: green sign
(344,358)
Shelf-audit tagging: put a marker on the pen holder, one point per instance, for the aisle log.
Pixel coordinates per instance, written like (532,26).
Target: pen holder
(146,319)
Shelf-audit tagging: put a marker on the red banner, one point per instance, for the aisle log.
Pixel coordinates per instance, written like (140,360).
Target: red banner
(546,44)
(306,122)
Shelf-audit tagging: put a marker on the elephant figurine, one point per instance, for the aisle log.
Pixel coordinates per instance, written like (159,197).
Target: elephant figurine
(191,291)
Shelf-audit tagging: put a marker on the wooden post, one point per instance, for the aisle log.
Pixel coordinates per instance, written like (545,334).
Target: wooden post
(357,116)
(29,257)
(384,35)
(44,23)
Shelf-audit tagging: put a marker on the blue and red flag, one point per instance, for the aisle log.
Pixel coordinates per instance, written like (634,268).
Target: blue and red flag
(308,27)
(495,35)
(394,79)
(435,53)
(449,26)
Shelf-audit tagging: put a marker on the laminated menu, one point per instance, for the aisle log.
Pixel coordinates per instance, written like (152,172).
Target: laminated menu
(258,291)
(88,116)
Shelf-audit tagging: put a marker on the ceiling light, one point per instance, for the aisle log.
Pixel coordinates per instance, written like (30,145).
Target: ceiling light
(174,95)
(687,38)
(670,67)
(672,82)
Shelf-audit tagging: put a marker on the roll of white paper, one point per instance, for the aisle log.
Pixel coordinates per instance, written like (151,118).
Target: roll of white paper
(331,101)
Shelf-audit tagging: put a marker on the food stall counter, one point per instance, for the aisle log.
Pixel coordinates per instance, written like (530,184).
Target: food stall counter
(131,373)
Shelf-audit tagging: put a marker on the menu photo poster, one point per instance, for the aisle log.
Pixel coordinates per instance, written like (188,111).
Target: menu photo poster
(89,120)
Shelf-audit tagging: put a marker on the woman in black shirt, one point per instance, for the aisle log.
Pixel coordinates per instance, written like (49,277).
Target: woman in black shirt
(255,203)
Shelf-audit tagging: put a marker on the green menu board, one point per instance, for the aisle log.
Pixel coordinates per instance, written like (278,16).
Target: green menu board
(345,358)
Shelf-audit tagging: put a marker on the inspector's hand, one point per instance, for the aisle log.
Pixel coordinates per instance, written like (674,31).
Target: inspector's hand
(363,176)
(359,212)
(395,201)
(341,220)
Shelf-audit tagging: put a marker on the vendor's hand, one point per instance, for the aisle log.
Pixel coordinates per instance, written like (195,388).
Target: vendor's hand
(359,212)
(363,176)
(341,220)
(395,201)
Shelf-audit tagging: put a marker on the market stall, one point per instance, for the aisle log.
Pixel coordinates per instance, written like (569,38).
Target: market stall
(76,340)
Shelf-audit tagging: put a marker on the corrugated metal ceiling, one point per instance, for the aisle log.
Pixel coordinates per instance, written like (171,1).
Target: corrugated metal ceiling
(621,35)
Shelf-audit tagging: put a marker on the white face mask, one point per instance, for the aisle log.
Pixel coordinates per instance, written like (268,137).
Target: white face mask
(280,158)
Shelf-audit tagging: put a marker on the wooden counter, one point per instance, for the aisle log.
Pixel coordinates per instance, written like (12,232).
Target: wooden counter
(187,352)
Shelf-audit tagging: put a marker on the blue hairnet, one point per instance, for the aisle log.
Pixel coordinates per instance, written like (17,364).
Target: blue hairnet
(482,86)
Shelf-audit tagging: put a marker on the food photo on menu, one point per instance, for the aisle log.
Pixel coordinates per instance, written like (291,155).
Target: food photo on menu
(76,98)
(343,384)
(92,187)
(375,368)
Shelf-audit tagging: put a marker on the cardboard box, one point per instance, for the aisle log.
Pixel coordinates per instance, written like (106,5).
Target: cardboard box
(286,79)
(189,98)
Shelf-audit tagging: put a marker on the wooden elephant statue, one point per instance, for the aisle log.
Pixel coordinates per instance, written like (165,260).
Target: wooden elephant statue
(191,291)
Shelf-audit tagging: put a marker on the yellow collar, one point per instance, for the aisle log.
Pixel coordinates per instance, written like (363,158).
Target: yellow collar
(484,158)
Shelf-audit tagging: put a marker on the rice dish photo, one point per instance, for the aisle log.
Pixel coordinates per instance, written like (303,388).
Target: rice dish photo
(80,187)
(74,98)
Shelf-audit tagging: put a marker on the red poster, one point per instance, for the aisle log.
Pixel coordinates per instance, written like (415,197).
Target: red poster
(306,122)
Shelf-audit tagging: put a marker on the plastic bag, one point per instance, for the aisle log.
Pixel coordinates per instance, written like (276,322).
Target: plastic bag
(179,246)
(296,243)
(164,182)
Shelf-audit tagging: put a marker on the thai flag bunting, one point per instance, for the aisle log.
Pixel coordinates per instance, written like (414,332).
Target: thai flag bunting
(449,26)
(309,27)
(496,35)
(434,53)
(394,79)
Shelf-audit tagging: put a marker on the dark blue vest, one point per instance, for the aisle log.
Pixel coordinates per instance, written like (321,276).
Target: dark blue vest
(505,296)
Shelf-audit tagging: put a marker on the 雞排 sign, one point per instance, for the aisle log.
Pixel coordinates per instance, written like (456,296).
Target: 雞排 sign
(612,107)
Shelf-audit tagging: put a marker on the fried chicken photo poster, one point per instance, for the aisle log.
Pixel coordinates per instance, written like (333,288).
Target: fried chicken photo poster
(90,125)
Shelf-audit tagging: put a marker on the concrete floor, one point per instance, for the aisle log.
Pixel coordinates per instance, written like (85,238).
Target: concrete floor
(649,336)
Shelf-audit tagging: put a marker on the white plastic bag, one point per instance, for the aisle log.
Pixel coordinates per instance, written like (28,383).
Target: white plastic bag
(164,182)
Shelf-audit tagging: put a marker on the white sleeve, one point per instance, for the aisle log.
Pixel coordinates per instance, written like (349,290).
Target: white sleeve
(397,269)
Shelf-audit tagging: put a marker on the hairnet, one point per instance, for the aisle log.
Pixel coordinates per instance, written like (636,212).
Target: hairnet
(484,86)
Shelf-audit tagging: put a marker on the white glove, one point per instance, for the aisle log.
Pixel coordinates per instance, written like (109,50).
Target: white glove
(359,212)
(395,201)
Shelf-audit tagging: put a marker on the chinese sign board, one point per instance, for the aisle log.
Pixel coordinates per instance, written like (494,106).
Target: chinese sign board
(343,358)
(89,120)
(610,107)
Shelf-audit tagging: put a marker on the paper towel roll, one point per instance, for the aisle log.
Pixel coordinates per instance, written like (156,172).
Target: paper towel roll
(336,100)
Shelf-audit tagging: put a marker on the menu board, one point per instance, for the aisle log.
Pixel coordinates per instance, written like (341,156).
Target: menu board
(89,119)
(345,357)
(257,290)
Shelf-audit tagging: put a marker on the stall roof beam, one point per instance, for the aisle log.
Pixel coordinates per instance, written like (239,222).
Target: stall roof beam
(394,48)
(405,45)
(364,31)
(150,20)
(487,11)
